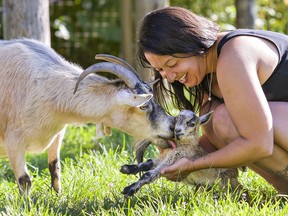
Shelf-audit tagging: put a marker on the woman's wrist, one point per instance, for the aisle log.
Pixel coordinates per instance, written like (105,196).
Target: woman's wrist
(198,164)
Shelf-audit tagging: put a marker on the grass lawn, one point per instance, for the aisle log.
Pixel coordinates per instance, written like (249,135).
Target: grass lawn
(92,185)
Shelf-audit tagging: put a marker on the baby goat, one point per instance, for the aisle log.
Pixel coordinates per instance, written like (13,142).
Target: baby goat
(38,98)
(186,134)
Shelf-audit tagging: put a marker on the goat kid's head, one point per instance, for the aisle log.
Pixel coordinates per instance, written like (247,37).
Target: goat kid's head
(140,115)
(188,124)
(186,131)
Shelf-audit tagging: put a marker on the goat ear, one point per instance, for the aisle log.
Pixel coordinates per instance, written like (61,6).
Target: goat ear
(204,118)
(135,100)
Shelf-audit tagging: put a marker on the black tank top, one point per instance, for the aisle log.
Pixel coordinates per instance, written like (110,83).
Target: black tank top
(276,87)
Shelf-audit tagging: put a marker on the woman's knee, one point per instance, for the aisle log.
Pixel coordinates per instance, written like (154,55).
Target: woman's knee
(222,124)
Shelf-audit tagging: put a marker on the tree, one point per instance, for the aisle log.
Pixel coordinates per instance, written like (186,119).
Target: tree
(128,27)
(246,13)
(127,36)
(142,8)
(26,18)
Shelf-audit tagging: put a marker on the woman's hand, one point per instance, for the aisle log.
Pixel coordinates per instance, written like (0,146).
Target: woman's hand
(178,171)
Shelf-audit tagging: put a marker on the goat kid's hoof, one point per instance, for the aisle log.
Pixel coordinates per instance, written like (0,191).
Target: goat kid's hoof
(129,169)
(129,191)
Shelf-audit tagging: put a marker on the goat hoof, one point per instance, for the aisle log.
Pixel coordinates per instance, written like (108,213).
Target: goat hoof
(24,184)
(129,169)
(129,191)
(126,190)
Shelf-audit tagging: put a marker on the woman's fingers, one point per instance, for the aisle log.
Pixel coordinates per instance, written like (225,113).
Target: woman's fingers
(177,171)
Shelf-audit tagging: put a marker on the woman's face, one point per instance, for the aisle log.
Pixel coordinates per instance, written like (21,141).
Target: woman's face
(190,71)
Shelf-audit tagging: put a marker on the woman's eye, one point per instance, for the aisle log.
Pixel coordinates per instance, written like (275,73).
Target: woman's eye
(171,66)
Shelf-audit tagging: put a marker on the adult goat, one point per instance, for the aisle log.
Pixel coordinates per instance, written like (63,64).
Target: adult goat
(38,98)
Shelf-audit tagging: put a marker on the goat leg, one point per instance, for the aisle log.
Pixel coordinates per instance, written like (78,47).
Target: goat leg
(146,178)
(54,168)
(54,161)
(15,149)
(134,169)
(24,184)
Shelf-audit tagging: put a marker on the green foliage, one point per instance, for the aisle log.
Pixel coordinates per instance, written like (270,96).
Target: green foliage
(271,15)
(82,28)
(223,12)
(77,141)
(92,185)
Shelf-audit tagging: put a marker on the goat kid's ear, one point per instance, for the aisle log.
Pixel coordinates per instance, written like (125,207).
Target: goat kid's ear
(206,117)
(135,100)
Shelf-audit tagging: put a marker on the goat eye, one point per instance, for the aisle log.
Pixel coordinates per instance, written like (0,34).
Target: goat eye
(144,106)
(190,123)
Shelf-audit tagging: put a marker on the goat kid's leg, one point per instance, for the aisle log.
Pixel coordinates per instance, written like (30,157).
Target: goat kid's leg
(152,175)
(54,161)
(146,178)
(136,168)
(15,150)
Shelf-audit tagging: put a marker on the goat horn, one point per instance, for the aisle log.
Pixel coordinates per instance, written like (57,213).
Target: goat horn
(120,71)
(152,82)
(114,59)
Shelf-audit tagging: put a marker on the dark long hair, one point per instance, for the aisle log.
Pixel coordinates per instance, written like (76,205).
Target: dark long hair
(172,30)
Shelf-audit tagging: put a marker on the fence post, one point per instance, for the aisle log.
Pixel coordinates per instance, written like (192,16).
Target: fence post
(142,8)
(127,31)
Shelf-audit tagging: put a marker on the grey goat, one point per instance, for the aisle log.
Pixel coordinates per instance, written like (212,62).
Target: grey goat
(186,134)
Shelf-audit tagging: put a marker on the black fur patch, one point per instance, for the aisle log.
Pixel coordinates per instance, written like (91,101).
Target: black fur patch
(54,169)
(24,183)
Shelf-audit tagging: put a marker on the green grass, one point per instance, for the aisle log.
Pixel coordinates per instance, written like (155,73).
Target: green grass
(92,185)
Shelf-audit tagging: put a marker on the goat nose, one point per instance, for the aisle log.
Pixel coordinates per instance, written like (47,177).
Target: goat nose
(172,127)
(177,131)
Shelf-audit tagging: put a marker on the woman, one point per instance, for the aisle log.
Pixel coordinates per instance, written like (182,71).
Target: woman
(242,75)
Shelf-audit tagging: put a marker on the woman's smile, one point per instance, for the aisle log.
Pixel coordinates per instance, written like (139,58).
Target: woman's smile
(182,79)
